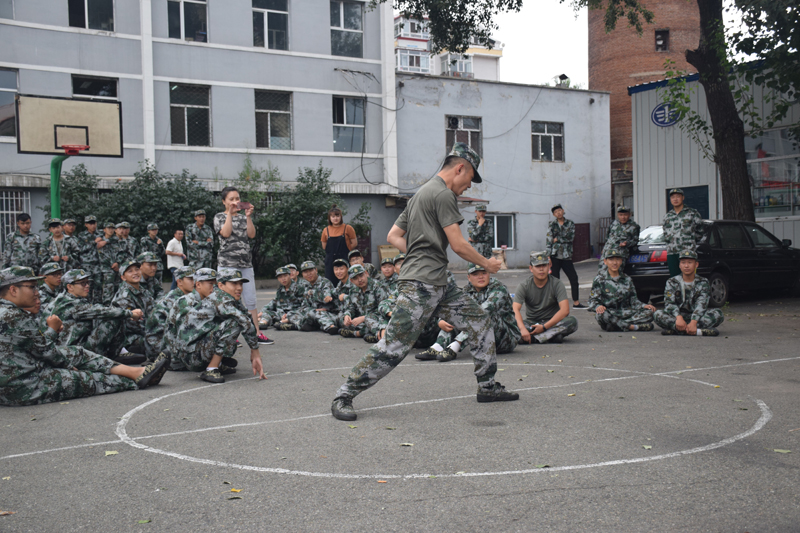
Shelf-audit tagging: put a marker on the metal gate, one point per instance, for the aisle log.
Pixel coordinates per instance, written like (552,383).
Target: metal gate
(582,245)
(12,203)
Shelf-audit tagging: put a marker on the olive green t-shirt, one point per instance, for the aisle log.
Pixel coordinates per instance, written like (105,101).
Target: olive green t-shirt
(540,304)
(433,208)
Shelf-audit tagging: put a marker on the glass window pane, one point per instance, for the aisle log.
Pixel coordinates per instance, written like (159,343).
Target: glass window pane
(547,148)
(262,130)
(101,14)
(554,128)
(174,19)
(277,5)
(760,237)
(475,142)
(355,111)
(732,237)
(8,126)
(537,127)
(94,86)
(280,132)
(352,16)
(336,15)
(268,100)
(462,136)
(258,28)
(188,95)
(346,43)
(504,228)
(338,110)
(471,123)
(195,27)
(536,150)
(558,148)
(278,23)
(177,125)
(77,13)
(8,79)
(347,139)
(198,124)
(6,9)
(449,139)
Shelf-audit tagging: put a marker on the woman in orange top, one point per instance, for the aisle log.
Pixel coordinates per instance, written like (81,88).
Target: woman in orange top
(337,240)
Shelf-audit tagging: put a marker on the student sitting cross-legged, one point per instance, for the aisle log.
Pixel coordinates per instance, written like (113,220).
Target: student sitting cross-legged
(614,300)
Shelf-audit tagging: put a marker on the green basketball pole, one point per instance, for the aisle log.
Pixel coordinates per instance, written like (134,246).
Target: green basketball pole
(55,185)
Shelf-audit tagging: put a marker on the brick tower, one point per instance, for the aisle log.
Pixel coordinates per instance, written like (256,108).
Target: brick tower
(623,58)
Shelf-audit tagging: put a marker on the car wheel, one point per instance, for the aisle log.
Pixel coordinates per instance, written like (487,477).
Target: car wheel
(643,296)
(719,289)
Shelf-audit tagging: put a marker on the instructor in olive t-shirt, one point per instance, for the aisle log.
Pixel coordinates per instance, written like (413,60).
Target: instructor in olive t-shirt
(423,231)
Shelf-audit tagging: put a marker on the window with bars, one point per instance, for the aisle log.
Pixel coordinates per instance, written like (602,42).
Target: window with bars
(465,130)
(273,120)
(190,114)
(347,32)
(12,203)
(271,24)
(188,20)
(7,9)
(92,14)
(348,124)
(503,230)
(547,141)
(94,87)
(8,113)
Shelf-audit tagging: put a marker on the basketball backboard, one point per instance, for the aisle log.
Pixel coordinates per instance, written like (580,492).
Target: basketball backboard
(46,124)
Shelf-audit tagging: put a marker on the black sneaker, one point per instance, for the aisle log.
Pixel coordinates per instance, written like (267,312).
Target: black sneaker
(288,326)
(212,376)
(347,333)
(131,358)
(497,394)
(226,370)
(710,332)
(669,332)
(370,339)
(428,355)
(579,306)
(263,339)
(446,355)
(342,409)
(647,327)
(153,372)
(332,330)
(230,362)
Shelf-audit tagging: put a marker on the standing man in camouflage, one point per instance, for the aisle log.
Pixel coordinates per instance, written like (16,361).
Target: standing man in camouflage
(614,300)
(560,235)
(91,242)
(319,303)
(623,236)
(58,248)
(481,232)
(127,248)
(52,273)
(686,298)
(199,241)
(153,244)
(22,247)
(682,229)
(423,231)
(109,265)
(361,318)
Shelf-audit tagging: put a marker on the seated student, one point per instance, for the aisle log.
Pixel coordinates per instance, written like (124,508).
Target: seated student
(399,259)
(388,277)
(361,316)
(149,271)
(319,305)
(614,300)
(156,325)
(546,306)
(51,287)
(131,295)
(355,258)
(495,300)
(341,291)
(686,298)
(285,310)
(34,370)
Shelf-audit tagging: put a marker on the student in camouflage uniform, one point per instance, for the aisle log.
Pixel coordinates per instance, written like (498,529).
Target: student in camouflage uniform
(34,370)
(686,298)
(180,333)
(58,247)
(297,279)
(560,234)
(285,311)
(388,278)
(131,295)
(151,243)
(341,291)
(127,248)
(355,258)
(319,305)
(199,241)
(361,318)
(149,272)
(109,266)
(398,262)
(547,317)
(613,298)
(90,243)
(22,247)
(156,325)
(481,232)
(423,231)
(682,230)
(623,236)
(52,273)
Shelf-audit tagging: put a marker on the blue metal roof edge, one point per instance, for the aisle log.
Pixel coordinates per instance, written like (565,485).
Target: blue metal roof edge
(650,85)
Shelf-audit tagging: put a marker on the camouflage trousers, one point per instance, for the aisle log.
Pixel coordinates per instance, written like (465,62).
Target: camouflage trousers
(371,325)
(200,260)
(416,303)
(57,384)
(565,327)
(710,319)
(483,248)
(620,319)
(315,318)
(110,284)
(505,339)
(196,356)
(107,337)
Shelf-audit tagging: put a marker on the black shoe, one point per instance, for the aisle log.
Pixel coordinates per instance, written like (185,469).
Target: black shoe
(307,327)
(347,333)
(332,330)
(130,358)
(212,376)
(226,370)
(370,339)
(230,362)
(579,306)
(446,355)
(710,332)
(342,409)
(428,355)
(556,339)
(263,339)
(153,373)
(646,327)
(497,394)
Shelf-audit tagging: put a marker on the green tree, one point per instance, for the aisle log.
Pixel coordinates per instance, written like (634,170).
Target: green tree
(78,196)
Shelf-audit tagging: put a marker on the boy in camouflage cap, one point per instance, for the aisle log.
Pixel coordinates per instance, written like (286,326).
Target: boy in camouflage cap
(21,247)
(132,295)
(91,242)
(613,298)
(52,274)
(127,248)
(58,247)
(355,258)
(686,299)
(109,267)
(623,236)
(398,263)
(285,311)
(319,302)
(388,277)
(151,243)
(148,267)
(361,317)
(155,326)
(200,241)
(682,230)
(481,232)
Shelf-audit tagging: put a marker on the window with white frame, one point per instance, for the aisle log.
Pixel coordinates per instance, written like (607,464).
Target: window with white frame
(8,113)
(348,124)
(411,28)
(271,24)
(188,20)
(190,114)
(6,9)
(465,130)
(92,14)
(547,141)
(773,165)
(503,230)
(273,120)
(347,31)
(413,61)
(457,66)
(12,203)
(92,87)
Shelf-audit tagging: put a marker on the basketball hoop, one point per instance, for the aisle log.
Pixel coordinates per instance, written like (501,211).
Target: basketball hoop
(74,149)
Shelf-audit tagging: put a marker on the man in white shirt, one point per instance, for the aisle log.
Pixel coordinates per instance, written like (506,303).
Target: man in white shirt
(175,255)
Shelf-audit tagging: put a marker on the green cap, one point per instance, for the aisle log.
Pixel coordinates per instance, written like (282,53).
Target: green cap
(50,268)
(146,257)
(89,218)
(465,152)
(355,270)
(472,267)
(623,209)
(205,274)
(557,206)
(389,260)
(540,258)
(75,275)
(480,207)
(230,274)
(308,265)
(339,261)
(199,212)
(183,272)
(126,265)
(282,270)
(353,252)
(54,222)
(152,226)
(17,274)
(291,266)
(687,254)
(676,191)
(399,257)
(612,252)
(123,225)
(69,221)
(110,225)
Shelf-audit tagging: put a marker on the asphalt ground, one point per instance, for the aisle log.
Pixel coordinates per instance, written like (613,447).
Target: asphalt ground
(612,432)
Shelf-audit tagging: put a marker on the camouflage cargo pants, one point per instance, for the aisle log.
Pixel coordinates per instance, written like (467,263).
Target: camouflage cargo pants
(416,303)
(107,337)
(483,248)
(110,284)
(505,340)
(315,318)
(221,341)
(200,259)
(710,319)
(57,384)
(568,326)
(620,319)
(371,325)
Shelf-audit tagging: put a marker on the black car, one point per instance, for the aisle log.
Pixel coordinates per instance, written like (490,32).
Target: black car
(734,256)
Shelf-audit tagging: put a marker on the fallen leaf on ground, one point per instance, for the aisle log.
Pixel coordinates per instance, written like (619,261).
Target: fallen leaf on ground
(647,447)
(63,403)
(226,482)
(541,466)
(632,337)
(716,386)
(143,522)
(406,444)
(236,490)
(551,371)
(111,453)
(525,376)
(782,451)
(6,478)
(6,513)
(382,481)
(235,498)
(352,427)
(571,394)
(391,428)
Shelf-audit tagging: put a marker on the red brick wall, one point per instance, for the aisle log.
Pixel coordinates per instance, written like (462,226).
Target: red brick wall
(622,58)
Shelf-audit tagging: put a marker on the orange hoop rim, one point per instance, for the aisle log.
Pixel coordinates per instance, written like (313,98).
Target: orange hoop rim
(74,149)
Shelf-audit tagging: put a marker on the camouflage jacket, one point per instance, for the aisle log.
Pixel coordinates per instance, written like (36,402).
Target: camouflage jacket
(108,253)
(89,254)
(156,324)
(146,244)
(342,289)
(67,246)
(361,303)
(126,250)
(619,233)
(374,273)
(201,235)
(77,315)
(484,233)
(563,235)
(680,298)
(286,300)
(234,252)
(389,284)
(22,250)
(315,294)
(226,306)
(152,285)
(497,302)
(47,295)
(190,319)
(129,298)
(682,230)
(613,293)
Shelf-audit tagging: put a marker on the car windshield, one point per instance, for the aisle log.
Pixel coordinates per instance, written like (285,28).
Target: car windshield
(652,235)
